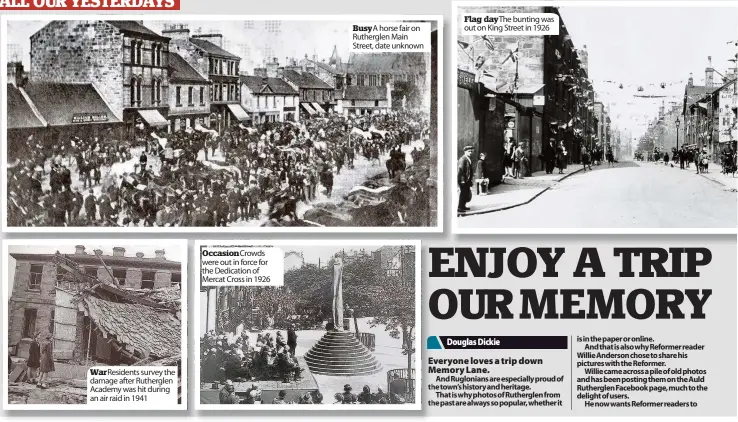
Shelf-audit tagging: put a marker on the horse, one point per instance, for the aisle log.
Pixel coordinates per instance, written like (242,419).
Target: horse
(394,164)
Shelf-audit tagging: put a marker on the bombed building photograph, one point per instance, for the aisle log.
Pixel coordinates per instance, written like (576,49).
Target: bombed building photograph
(341,330)
(241,123)
(70,308)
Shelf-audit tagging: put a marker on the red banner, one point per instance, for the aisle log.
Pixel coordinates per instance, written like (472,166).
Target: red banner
(89,4)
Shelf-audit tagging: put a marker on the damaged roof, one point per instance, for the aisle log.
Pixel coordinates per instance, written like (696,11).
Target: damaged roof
(141,330)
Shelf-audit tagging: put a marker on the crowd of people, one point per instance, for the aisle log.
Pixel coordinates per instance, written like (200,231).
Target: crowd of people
(260,173)
(272,358)
(692,154)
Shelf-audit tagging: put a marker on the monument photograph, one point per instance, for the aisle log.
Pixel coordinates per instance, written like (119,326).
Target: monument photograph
(341,330)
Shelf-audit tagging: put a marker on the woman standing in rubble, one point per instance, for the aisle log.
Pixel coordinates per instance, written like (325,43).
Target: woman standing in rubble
(47,360)
(34,358)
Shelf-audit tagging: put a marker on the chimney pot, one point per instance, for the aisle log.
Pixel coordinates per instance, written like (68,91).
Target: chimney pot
(160,254)
(119,251)
(79,250)
(139,255)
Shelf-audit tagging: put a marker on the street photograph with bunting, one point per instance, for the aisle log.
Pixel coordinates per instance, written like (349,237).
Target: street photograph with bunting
(340,328)
(244,122)
(79,310)
(593,115)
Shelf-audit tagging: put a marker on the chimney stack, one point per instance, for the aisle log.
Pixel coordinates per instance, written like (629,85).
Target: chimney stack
(690,81)
(709,72)
(79,250)
(139,255)
(160,254)
(216,39)
(118,251)
(98,252)
(15,73)
(177,32)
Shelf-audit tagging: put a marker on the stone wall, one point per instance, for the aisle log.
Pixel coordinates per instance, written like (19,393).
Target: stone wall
(145,72)
(80,51)
(196,57)
(199,105)
(42,300)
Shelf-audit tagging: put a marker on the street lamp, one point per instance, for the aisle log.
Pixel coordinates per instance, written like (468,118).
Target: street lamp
(677,131)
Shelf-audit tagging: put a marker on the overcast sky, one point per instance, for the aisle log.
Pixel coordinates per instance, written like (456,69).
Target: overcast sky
(171,252)
(650,45)
(296,38)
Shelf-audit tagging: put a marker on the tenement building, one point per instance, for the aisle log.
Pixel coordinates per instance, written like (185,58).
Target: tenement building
(527,88)
(205,53)
(124,61)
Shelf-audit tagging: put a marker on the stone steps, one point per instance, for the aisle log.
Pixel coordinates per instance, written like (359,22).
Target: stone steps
(340,353)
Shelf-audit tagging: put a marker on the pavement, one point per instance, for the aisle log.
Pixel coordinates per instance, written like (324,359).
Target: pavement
(627,195)
(513,193)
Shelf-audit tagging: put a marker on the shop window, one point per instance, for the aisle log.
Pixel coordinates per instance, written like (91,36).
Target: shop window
(34,282)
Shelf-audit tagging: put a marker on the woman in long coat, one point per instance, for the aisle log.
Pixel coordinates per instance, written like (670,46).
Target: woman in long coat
(47,360)
(561,157)
(34,358)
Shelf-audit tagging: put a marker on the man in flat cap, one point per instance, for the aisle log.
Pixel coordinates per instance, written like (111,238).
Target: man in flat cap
(465,178)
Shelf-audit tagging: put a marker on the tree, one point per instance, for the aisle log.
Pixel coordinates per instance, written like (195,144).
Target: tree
(408,90)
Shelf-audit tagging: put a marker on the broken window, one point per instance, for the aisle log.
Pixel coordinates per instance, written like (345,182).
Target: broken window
(29,322)
(120,275)
(147,279)
(34,282)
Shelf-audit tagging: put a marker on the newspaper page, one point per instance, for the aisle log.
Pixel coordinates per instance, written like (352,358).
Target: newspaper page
(618,326)
(95,325)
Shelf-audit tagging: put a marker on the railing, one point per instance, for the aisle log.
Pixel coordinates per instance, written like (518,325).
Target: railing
(368,340)
(409,384)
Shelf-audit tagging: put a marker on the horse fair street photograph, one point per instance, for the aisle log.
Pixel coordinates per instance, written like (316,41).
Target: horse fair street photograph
(217,124)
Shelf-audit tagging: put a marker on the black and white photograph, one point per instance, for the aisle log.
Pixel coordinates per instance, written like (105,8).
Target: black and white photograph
(252,123)
(621,117)
(72,306)
(343,329)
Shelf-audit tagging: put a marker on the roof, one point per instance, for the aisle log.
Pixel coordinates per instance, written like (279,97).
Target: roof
(112,261)
(391,63)
(58,103)
(365,93)
(305,80)
(20,113)
(135,28)
(148,332)
(180,70)
(276,85)
(327,67)
(212,49)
